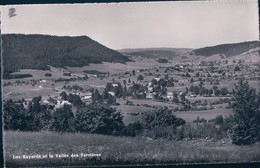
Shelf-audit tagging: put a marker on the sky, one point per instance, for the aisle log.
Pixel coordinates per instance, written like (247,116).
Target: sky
(141,24)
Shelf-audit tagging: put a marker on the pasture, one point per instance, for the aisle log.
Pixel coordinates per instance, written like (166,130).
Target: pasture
(190,116)
(120,150)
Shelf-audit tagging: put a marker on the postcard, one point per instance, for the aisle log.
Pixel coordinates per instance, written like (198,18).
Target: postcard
(130,83)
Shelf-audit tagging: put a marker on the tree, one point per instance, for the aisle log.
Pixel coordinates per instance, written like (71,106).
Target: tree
(124,92)
(191,80)
(237,68)
(154,82)
(162,117)
(217,92)
(197,74)
(38,116)
(134,129)
(99,118)
(75,99)
(224,91)
(133,72)
(187,74)
(96,97)
(62,119)
(64,95)
(13,115)
(246,127)
(210,92)
(140,77)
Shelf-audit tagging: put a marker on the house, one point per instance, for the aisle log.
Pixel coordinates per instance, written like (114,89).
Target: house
(111,93)
(169,95)
(66,73)
(191,95)
(149,95)
(61,103)
(157,79)
(86,96)
(46,101)
(91,75)
(150,89)
(42,81)
(78,75)
(114,84)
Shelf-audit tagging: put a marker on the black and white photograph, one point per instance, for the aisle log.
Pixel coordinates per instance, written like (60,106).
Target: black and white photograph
(130,83)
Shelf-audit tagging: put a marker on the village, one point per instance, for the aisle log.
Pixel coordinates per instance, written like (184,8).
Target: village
(198,86)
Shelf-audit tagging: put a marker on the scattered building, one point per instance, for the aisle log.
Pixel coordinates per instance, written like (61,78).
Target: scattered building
(111,93)
(114,84)
(86,96)
(169,95)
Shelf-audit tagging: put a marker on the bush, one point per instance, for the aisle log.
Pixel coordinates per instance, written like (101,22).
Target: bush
(47,74)
(134,129)
(162,60)
(200,120)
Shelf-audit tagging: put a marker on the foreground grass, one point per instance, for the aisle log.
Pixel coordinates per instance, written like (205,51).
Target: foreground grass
(119,150)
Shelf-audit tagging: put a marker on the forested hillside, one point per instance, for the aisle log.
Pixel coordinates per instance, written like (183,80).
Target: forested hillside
(155,52)
(227,49)
(38,51)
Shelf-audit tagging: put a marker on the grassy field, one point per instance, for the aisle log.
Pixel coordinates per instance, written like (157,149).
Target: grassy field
(120,150)
(190,116)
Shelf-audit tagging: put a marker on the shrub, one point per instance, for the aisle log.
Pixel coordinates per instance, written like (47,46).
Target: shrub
(200,120)
(162,60)
(47,74)
(134,129)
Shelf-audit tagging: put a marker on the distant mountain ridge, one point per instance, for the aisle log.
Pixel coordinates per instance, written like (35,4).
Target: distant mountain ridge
(227,49)
(155,52)
(38,51)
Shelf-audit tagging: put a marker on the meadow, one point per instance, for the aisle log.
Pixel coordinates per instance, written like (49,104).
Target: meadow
(120,150)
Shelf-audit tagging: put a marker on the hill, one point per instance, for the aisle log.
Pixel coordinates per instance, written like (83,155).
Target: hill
(38,51)
(227,49)
(154,52)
